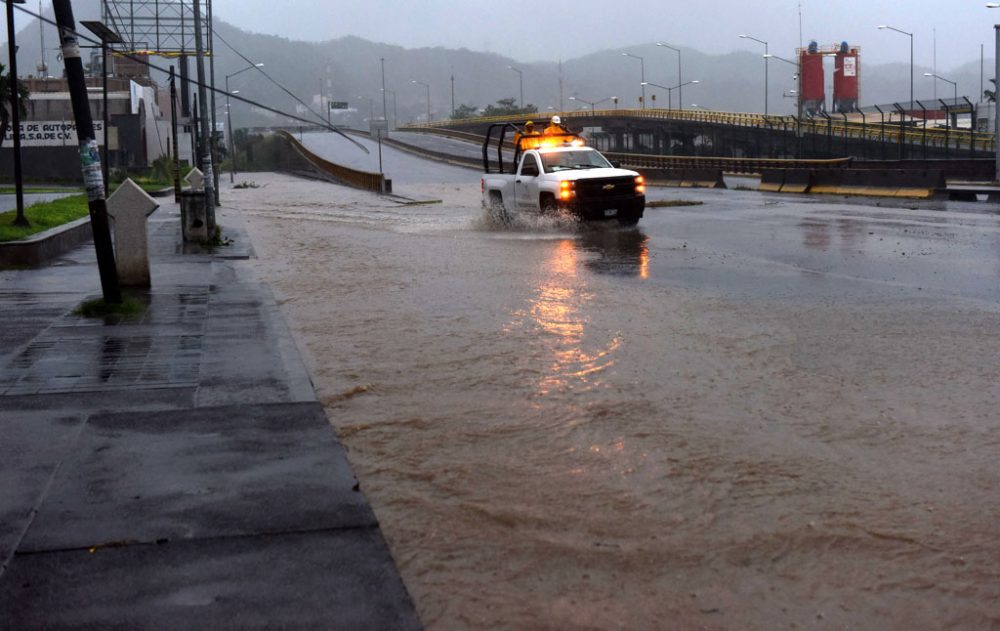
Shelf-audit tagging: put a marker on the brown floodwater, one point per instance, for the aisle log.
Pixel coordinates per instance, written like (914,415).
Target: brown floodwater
(561,427)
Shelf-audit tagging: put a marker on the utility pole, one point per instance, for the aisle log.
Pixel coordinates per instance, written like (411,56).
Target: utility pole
(996,107)
(452,93)
(211,65)
(206,141)
(384,112)
(176,162)
(15,117)
(90,154)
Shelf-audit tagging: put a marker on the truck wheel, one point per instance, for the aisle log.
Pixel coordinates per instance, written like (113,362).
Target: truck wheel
(548,205)
(497,210)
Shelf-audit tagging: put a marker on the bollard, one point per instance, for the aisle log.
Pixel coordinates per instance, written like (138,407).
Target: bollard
(194,217)
(130,207)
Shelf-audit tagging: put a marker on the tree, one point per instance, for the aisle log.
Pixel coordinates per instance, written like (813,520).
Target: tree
(22,100)
(508,107)
(465,111)
(991,95)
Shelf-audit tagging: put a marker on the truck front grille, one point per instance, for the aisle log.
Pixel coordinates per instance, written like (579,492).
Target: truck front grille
(600,188)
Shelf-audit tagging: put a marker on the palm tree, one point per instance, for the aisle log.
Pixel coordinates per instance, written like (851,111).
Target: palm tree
(5,116)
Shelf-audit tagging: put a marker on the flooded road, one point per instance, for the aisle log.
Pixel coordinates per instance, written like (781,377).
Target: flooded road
(756,413)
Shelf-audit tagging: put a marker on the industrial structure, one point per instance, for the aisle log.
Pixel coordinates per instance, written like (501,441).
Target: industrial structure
(812,78)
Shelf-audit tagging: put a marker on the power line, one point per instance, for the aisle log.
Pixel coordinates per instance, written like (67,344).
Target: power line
(196,83)
(269,77)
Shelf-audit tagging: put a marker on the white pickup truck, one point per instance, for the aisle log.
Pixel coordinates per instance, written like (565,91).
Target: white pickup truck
(557,172)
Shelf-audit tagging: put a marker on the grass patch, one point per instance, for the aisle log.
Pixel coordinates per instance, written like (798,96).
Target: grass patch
(34,190)
(670,203)
(99,309)
(43,216)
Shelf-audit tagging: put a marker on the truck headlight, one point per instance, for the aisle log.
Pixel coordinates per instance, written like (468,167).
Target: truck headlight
(640,184)
(566,190)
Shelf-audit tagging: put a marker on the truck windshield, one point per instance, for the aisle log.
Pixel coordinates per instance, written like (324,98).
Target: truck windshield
(565,160)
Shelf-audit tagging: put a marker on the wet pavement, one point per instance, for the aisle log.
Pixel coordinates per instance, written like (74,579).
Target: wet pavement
(760,412)
(174,469)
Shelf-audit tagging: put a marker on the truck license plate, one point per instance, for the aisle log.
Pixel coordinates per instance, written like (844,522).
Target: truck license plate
(610,212)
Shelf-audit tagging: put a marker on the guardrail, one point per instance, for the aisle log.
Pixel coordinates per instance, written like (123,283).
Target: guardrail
(366,180)
(743,166)
(875,130)
(646,161)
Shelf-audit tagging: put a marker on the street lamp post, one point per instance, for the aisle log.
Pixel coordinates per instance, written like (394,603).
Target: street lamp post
(395,118)
(671,90)
(15,115)
(385,115)
(594,104)
(229,122)
(797,76)
(883,27)
(767,56)
(996,101)
(642,74)
(954,84)
(520,83)
(428,88)
(680,77)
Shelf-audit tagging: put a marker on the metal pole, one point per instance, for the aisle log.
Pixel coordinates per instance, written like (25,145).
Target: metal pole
(996,109)
(90,155)
(911,76)
(206,140)
(173,133)
(211,65)
(642,75)
(766,67)
(104,90)
(15,114)
(680,83)
(232,144)
(384,111)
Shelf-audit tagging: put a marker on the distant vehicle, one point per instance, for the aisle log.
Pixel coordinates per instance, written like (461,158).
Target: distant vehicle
(554,171)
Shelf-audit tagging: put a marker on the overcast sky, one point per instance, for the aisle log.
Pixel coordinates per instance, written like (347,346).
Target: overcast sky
(546,30)
(549,29)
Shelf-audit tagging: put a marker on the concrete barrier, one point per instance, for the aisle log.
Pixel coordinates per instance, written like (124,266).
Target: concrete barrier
(327,170)
(797,181)
(912,183)
(685,178)
(826,182)
(772,180)
(703,178)
(921,184)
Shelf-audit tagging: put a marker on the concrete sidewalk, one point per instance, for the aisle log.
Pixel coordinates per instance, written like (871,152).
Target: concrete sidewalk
(174,470)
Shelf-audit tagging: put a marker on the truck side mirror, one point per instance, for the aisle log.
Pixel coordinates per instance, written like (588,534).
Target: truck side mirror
(616,164)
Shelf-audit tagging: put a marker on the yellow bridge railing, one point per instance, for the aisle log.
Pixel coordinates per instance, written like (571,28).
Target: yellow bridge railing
(873,130)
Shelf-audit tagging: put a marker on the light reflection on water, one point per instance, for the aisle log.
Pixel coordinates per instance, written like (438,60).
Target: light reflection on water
(557,311)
